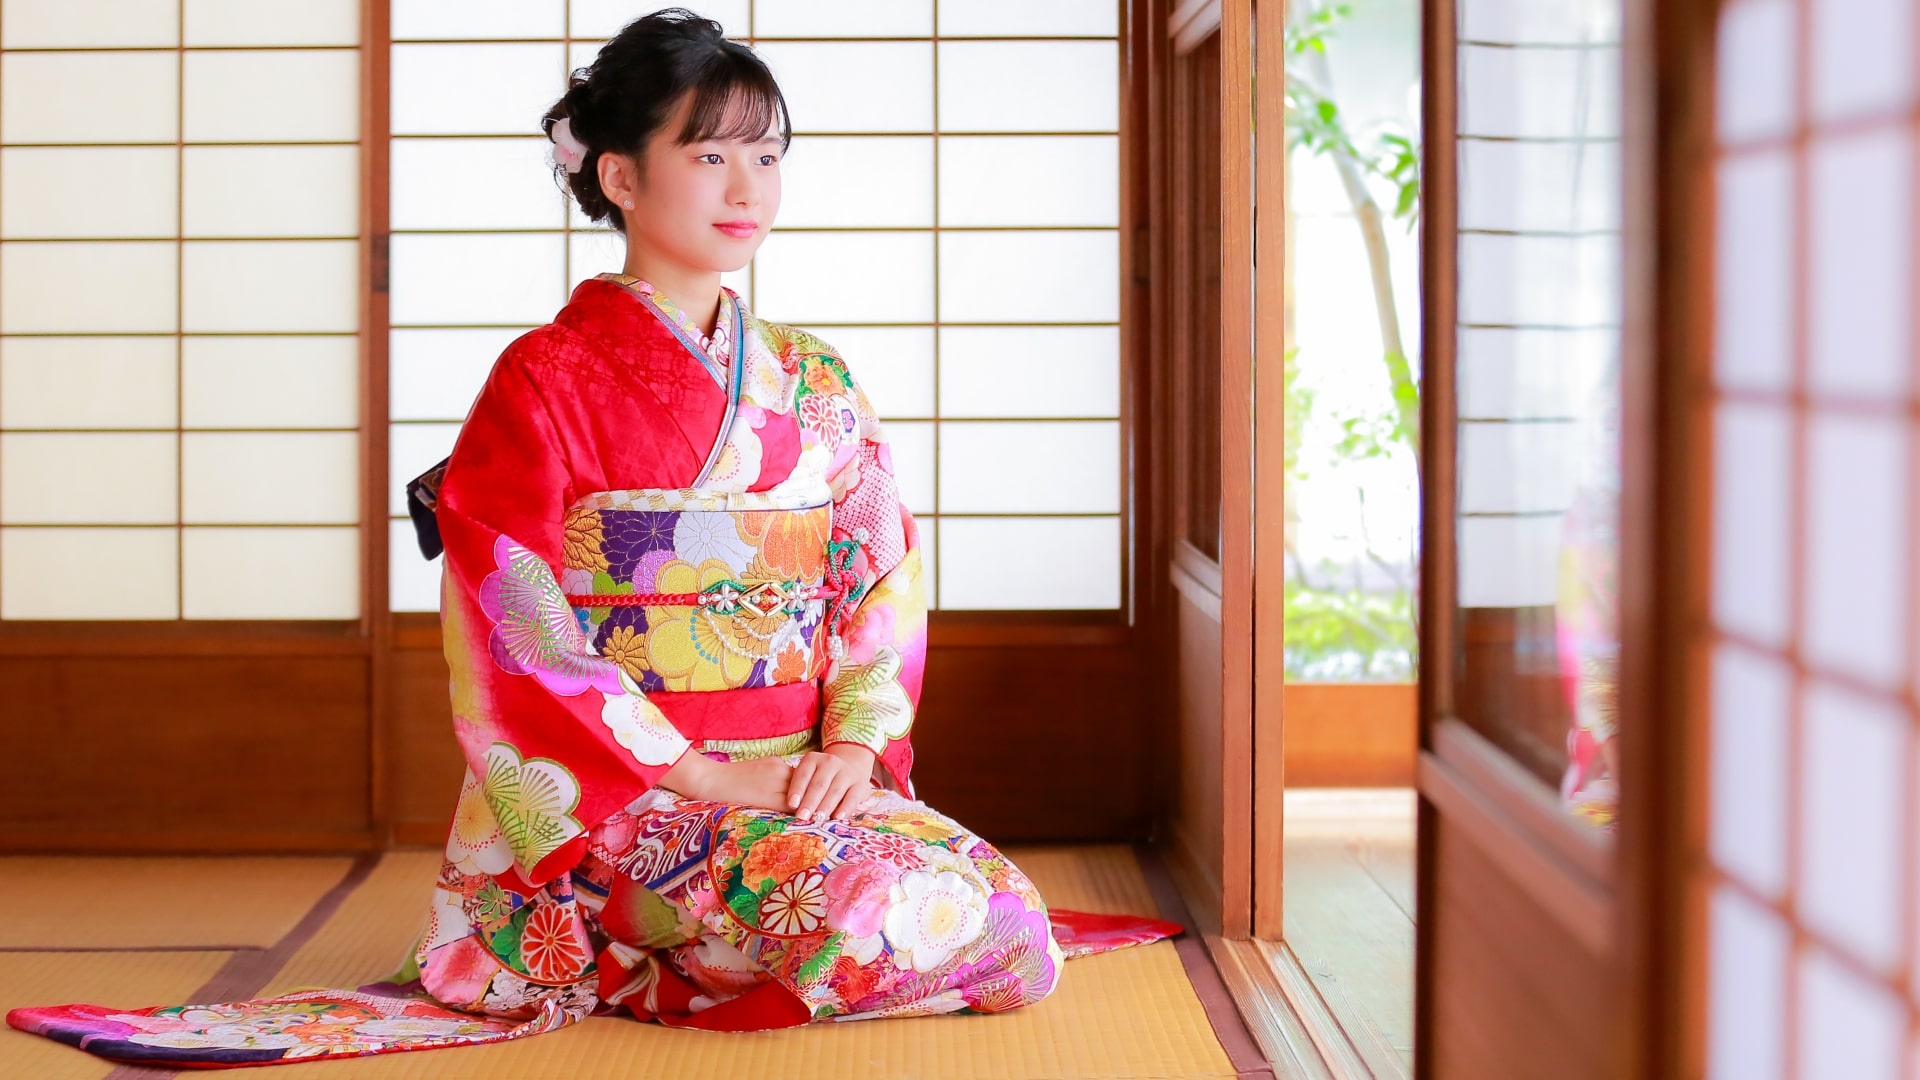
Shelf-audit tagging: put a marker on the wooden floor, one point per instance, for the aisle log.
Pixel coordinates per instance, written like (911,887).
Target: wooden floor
(1349,913)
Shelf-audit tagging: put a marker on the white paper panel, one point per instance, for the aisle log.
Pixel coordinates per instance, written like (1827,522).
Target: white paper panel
(86,24)
(1030,276)
(256,382)
(411,450)
(120,191)
(1030,180)
(1861,272)
(1539,93)
(1857,544)
(1037,371)
(987,18)
(1529,374)
(1063,563)
(62,573)
(1539,280)
(525,282)
(1850,832)
(855,86)
(1030,467)
(1750,523)
(306,477)
(1848,1027)
(911,444)
(1749,826)
(1563,22)
(1753,274)
(1509,562)
(1516,468)
(1747,995)
(237,286)
(892,365)
(604,18)
(413,583)
(806,278)
(80,382)
(283,95)
(600,251)
(89,97)
(271,573)
(1540,187)
(479,19)
(1754,98)
(486,89)
(86,479)
(475,184)
(1862,57)
(1029,86)
(842,180)
(39,293)
(273,22)
(843,18)
(436,374)
(272,191)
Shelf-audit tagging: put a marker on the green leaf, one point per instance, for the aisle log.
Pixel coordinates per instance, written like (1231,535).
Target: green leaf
(818,963)
(746,906)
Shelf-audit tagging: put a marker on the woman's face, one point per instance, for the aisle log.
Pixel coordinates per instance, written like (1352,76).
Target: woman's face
(706,205)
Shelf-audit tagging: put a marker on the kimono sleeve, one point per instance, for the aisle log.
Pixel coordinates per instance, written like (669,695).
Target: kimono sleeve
(872,687)
(555,737)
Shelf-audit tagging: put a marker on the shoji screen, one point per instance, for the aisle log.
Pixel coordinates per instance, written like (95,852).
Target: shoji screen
(179,309)
(950,223)
(1811,856)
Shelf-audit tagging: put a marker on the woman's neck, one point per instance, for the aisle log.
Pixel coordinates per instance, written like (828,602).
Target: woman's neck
(697,292)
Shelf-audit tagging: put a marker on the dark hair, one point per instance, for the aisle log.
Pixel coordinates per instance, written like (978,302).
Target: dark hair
(623,98)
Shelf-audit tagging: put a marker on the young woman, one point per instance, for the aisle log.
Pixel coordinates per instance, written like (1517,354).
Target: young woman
(684,617)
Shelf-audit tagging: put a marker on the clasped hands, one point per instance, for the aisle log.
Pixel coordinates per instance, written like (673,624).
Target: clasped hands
(830,783)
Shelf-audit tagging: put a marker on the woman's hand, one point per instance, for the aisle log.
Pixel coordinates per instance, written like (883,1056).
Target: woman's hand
(833,783)
(762,782)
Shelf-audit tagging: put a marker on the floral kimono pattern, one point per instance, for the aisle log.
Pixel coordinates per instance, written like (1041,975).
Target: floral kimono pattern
(662,542)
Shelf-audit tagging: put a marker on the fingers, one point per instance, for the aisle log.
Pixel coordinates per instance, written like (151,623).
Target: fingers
(828,789)
(854,801)
(797,785)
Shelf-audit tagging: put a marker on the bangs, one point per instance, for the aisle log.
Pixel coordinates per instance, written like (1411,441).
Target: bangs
(736,98)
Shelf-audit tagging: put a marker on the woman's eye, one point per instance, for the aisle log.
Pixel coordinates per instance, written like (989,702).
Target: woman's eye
(704,157)
(768,159)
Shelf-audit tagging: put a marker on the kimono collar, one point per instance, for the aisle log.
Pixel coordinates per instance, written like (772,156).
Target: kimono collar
(717,350)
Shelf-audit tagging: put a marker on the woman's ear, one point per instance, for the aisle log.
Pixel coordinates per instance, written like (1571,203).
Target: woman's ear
(619,179)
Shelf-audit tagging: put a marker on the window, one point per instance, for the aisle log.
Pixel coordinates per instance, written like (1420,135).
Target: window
(957,166)
(179,309)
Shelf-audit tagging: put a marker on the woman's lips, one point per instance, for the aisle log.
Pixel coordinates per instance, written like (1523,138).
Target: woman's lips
(738,230)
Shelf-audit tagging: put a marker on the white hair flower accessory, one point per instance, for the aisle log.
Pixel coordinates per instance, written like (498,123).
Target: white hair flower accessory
(568,152)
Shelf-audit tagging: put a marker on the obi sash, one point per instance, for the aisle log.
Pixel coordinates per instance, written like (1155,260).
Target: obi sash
(700,596)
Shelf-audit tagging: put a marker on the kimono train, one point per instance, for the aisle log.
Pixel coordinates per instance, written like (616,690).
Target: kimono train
(658,544)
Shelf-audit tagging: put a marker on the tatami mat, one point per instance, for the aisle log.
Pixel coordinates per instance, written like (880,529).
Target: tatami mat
(1130,1014)
(129,979)
(153,902)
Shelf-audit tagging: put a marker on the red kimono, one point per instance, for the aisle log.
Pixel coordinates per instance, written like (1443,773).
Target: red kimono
(660,543)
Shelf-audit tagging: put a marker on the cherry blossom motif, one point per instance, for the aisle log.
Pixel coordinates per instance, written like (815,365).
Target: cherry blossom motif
(475,844)
(858,894)
(458,973)
(932,916)
(640,726)
(551,944)
(535,631)
(796,906)
(904,852)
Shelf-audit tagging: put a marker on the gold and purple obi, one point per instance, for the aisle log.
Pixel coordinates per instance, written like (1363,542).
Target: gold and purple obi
(696,591)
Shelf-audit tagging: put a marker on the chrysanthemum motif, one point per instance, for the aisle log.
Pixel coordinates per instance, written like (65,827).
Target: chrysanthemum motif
(932,916)
(796,906)
(700,535)
(550,944)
